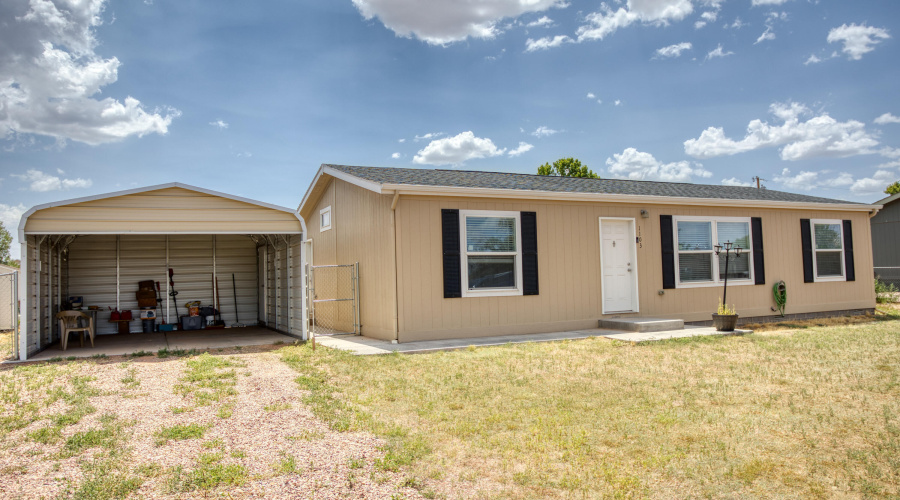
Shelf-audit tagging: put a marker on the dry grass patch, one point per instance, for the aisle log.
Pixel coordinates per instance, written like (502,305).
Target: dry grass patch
(814,412)
(6,345)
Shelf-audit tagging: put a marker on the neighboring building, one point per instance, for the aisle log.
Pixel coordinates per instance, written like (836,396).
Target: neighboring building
(886,240)
(454,254)
(8,305)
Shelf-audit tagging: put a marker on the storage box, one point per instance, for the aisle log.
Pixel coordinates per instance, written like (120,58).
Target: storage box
(191,322)
(147,285)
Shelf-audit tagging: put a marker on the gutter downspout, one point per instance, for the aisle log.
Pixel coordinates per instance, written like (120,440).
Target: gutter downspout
(396,288)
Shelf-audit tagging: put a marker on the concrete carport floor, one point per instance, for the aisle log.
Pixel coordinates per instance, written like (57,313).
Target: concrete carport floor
(200,340)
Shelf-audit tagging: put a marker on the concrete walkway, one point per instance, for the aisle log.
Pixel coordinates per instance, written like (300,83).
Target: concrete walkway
(364,346)
(118,345)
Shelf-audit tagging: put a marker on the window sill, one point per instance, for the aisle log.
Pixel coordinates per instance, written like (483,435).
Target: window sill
(741,282)
(492,293)
(828,278)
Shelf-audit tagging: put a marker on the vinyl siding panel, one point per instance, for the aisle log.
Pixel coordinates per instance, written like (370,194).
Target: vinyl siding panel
(569,270)
(886,243)
(360,232)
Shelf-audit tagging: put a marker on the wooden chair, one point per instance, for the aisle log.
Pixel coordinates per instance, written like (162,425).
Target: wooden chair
(68,323)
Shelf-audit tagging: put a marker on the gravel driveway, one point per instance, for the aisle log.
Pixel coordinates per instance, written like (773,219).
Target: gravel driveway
(258,439)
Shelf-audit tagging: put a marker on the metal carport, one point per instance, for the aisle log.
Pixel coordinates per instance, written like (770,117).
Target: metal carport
(99,247)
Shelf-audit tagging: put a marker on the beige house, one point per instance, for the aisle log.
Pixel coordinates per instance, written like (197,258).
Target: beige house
(100,247)
(452,254)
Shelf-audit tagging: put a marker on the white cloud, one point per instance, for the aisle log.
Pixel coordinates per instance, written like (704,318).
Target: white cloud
(396,155)
(887,118)
(546,43)
(456,150)
(607,21)
(637,165)
(766,36)
(820,136)
(755,3)
(524,147)
(543,131)
(590,95)
(543,21)
(50,76)
(43,182)
(709,16)
(673,50)
(428,136)
(401,141)
(734,181)
(804,181)
(10,216)
(813,59)
(737,24)
(857,39)
(875,184)
(440,22)
(617,102)
(219,124)
(718,52)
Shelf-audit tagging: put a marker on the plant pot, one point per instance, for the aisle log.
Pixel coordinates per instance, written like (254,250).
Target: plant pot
(725,322)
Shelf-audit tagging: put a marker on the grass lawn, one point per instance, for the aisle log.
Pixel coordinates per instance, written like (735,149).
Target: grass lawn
(809,412)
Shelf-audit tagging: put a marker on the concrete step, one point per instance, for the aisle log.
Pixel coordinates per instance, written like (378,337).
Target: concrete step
(641,324)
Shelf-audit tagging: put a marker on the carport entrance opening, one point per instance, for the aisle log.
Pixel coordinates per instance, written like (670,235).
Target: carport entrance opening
(241,256)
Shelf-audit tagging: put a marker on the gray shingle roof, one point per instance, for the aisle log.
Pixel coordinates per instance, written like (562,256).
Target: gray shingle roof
(528,182)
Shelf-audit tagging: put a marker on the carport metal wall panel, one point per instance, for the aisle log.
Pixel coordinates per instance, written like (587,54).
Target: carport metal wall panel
(141,258)
(92,274)
(191,258)
(237,254)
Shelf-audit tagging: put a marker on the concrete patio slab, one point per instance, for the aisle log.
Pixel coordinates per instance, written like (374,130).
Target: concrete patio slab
(119,345)
(641,324)
(364,346)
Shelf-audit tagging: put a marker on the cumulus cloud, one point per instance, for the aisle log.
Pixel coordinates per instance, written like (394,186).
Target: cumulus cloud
(10,215)
(887,118)
(607,21)
(673,50)
(590,95)
(546,43)
(718,52)
(524,147)
(396,155)
(820,136)
(755,3)
(50,76)
(219,124)
(617,102)
(734,181)
(543,131)
(808,181)
(456,150)
(858,39)
(637,165)
(440,22)
(42,182)
(709,16)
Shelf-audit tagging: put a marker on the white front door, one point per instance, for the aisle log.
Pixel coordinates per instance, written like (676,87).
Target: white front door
(618,266)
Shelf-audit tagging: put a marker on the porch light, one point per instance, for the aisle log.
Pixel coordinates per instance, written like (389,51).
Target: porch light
(727,247)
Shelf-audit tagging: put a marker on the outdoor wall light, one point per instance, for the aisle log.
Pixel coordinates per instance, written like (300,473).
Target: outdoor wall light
(645,214)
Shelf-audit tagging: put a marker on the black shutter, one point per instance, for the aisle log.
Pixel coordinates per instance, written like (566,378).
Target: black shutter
(848,252)
(806,243)
(450,231)
(667,240)
(529,254)
(759,266)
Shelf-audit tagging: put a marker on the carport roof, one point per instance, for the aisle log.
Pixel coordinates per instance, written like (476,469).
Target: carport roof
(173,208)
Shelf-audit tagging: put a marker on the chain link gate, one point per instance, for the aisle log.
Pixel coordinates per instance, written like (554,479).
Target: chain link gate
(9,315)
(333,299)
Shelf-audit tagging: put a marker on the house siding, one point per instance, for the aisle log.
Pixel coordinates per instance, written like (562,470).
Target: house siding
(569,269)
(885,242)
(360,232)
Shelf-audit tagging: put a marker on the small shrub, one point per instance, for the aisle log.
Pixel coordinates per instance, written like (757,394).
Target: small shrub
(885,292)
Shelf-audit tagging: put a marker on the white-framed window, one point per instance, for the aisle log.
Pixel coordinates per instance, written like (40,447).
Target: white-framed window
(696,263)
(325,219)
(491,256)
(828,249)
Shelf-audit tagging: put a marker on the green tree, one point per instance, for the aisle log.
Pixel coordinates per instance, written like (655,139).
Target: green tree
(5,242)
(893,188)
(567,167)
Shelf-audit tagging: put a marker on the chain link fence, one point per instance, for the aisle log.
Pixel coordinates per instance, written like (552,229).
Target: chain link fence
(888,275)
(9,315)
(333,299)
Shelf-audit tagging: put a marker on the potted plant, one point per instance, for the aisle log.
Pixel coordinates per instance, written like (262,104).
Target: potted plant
(725,318)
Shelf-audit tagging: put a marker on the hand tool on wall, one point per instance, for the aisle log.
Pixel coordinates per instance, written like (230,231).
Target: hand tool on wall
(237,321)
(172,292)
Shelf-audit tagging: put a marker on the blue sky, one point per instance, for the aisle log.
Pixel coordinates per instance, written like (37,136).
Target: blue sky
(250,98)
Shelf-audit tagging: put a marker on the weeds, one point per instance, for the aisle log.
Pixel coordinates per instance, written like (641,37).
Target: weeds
(179,432)
(209,473)
(208,379)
